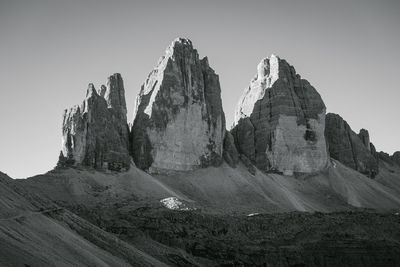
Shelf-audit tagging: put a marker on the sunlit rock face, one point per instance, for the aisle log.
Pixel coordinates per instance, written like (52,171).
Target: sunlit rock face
(96,134)
(349,148)
(280,121)
(179,123)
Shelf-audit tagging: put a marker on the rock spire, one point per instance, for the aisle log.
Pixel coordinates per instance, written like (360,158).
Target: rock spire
(179,123)
(95,134)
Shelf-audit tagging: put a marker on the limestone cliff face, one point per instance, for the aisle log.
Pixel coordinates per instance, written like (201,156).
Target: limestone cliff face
(280,121)
(349,148)
(95,134)
(179,123)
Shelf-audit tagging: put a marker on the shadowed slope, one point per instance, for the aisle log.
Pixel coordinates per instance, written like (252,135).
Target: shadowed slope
(36,232)
(221,189)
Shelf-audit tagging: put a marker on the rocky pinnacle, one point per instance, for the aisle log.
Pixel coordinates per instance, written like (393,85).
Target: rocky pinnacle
(95,134)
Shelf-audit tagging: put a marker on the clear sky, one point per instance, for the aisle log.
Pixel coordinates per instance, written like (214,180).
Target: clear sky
(50,51)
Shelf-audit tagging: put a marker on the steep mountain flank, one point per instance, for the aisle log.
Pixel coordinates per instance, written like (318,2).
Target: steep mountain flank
(349,148)
(179,123)
(280,121)
(391,159)
(36,232)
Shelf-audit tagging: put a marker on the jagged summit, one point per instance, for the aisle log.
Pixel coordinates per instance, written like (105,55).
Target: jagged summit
(102,90)
(90,90)
(269,71)
(115,93)
(179,123)
(181,41)
(95,134)
(280,120)
(179,49)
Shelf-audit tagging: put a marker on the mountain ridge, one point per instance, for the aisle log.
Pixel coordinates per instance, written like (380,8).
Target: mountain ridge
(288,186)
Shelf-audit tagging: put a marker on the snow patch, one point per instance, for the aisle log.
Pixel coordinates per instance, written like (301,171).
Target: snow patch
(173,203)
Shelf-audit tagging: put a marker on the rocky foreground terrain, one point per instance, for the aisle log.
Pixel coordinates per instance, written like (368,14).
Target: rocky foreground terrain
(288,185)
(82,217)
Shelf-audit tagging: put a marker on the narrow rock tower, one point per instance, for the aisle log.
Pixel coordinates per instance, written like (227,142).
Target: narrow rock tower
(96,134)
(280,121)
(179,123)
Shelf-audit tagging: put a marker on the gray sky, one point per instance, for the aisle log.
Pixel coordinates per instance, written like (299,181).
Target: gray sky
(51,50)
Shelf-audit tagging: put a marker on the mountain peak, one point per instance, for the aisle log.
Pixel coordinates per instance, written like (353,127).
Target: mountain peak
(279,121)
(180,41)
(179,122)
(90,90)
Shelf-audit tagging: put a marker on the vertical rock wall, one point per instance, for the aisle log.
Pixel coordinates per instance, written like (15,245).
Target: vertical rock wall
(179,123)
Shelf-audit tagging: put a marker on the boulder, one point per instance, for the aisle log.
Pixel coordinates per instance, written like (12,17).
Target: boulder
(280,121)
(348,148)
(95,134)
(179,124)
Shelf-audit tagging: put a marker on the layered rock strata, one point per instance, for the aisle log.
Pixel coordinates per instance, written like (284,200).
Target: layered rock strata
(95,134)
(280,121)
(349,148)
(179,123)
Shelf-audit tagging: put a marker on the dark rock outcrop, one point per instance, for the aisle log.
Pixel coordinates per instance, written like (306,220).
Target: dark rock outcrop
(385,157)
(179,123)
(348,148)
(280,121)
(396,157)
(364,137)
(230,152)
(95,134)
(284,239)
(374,153)
(391,159)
